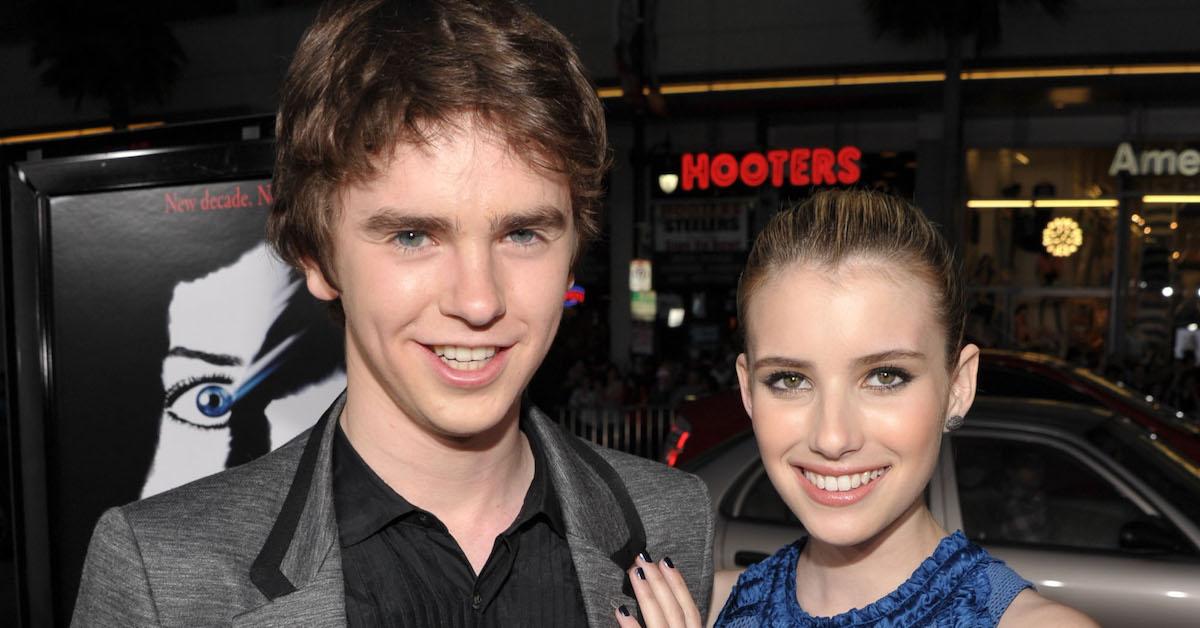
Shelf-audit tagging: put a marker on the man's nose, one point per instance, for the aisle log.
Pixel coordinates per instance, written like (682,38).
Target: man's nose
(475,294)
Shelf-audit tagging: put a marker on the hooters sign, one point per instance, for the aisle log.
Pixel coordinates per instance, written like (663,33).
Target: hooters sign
(780,167)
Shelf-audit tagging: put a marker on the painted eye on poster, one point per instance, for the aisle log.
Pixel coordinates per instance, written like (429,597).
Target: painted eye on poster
(214,401)
(203,402)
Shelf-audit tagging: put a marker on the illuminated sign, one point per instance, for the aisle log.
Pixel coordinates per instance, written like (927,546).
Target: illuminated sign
(643,306)
(640,274)
(780,167)
(1152,162)
(575,295)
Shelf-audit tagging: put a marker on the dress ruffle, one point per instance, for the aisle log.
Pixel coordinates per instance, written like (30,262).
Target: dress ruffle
(950,588)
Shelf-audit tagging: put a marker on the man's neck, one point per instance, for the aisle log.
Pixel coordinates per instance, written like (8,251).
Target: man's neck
(477,482)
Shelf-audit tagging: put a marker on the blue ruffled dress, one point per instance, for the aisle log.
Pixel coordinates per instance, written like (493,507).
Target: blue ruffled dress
(959,585)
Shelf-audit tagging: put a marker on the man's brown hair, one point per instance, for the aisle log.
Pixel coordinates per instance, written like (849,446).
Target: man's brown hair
(836,226)
(370,75)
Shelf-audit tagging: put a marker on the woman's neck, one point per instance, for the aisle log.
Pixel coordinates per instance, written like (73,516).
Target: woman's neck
(833,579)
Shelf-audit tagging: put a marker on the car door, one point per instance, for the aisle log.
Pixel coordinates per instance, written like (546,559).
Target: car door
(1065,519)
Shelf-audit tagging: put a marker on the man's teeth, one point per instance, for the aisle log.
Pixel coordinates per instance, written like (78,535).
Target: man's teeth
(836,483)
(464,358)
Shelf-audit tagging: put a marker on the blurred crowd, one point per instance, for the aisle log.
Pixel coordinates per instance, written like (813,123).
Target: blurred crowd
(578,375)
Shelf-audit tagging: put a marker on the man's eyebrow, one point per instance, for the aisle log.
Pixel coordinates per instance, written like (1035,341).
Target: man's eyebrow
(542,216)
(889,356)
(389,219)
(219,359)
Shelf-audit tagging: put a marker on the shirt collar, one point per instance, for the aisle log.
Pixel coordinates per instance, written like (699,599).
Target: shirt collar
(365,504)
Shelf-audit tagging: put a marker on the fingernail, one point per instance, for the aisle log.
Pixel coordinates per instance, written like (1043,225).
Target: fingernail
(624,610)
(668,563)
(644,556)
(641,574)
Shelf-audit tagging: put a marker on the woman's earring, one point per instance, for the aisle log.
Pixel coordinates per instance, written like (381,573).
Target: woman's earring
(954,422)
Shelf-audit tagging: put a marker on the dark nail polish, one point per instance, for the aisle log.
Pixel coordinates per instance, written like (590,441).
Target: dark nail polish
(668,563)
(641,574)
(624,610)
(645,556)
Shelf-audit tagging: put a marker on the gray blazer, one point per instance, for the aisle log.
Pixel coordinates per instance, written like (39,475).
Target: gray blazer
(257,545)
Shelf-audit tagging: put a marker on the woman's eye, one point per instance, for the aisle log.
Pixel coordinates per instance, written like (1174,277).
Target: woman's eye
(523,236)
(411,239)
(887,378)
(788,382)
(203,402)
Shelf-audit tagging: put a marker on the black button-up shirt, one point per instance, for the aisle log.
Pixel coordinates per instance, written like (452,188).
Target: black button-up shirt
(402,568)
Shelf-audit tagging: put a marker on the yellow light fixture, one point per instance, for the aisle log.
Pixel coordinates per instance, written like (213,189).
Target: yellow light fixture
(1174,225)
(979,203)
(1176,255)
(1146,230)
(1062,237)
(1136,218)
(668,182)
(1171,198)
(1076,202)
(893,78)
(59,135)
(1022,158)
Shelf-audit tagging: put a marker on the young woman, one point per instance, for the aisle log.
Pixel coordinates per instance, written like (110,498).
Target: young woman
(854,368)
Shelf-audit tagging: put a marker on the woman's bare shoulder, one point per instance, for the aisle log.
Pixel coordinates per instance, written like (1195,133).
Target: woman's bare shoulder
(1031,609)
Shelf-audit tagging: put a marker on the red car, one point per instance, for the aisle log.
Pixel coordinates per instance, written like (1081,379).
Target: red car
(701,424)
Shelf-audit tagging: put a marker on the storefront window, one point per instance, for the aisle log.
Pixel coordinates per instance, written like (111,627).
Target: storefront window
(1040,250)
(1090,254)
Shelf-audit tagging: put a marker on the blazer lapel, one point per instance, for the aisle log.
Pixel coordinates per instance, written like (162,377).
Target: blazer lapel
(299,568)
(604,530)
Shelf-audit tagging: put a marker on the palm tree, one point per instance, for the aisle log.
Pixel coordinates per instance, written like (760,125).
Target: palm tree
(121,53)
(954,21)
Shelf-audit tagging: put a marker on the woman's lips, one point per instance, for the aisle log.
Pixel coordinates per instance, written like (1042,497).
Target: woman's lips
(839,490)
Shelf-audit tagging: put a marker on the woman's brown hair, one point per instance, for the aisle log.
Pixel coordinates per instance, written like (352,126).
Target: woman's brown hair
(835,226)
(370,75)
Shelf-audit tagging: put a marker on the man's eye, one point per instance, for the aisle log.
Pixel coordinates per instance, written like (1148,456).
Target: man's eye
(523,236)
(411,239)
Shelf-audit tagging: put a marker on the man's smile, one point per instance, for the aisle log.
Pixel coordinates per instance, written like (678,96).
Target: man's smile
(465,358)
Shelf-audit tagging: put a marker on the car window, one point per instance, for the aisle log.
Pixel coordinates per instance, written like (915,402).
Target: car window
(1152,462)
(1006,381)
(763,503)
(1034,494)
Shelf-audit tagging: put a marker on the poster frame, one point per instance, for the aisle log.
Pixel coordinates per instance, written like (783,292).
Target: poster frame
(28,311)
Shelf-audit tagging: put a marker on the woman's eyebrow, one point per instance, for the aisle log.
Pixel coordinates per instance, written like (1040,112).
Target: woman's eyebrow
(889,356)
(781,362)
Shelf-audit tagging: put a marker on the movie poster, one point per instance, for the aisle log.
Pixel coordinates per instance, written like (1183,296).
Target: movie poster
(182,346)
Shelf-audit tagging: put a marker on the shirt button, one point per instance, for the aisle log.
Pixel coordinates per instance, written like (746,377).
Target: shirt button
(476,601)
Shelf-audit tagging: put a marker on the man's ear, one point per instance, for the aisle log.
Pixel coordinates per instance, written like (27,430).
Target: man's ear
(962,381)
(318,285)
(743,375)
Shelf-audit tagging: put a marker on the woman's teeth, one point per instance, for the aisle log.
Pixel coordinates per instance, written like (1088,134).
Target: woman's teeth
(835,483)
(464,358)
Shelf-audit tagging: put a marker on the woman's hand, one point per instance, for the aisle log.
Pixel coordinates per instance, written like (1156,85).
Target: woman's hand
(662,595)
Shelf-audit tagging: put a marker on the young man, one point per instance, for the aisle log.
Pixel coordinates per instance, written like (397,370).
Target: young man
(439,166)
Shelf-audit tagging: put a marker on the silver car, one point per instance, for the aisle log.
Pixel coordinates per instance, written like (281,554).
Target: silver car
(1089,506)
